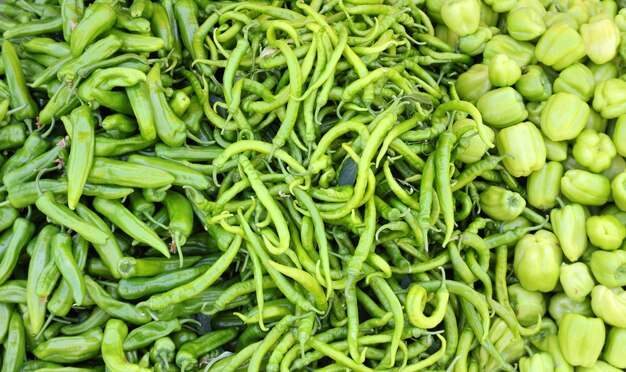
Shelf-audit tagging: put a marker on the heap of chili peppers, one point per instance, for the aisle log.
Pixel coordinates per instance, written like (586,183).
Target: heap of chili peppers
(287,185)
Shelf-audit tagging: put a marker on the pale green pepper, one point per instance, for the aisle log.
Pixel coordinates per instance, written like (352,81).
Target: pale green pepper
(581,339)
(488,17)
(594,150)
(474,44)
(461,16)
(609,98)
(434,9)
(473,83)
(501,204)
(502,107)
(609,304)
(518,222)
(555,151)
(615,347)
(547,328)
(520,51)
(619,135)
(596,121)
(601,38)
(603,72)
(534,84)
(599,366)
(527,305)
(559,47)
(605,232)
(538,362)
(476,148)
(618,166)
(537,260)
(609,267)
(560,305)
(503,71)
(576,79)
(543,186)
(534,111)
(586,188)
(524,145)
(568,223)
(507,345)
(443,33)
(618,191)
(554,18)
(577,9)
(501,6)
(564,116)
(525,23)
(576,281)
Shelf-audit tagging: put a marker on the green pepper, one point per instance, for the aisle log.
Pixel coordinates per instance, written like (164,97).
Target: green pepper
(609,268)
(594,150)
(585,188)
(507,345)
(461,16)
(473,83)
(501,6)
(601,38)
(559,47)
(537,261)
(618,190)
(534,84)
(544,185)
(502,107)
(576,281)
(525,23)
(520,51)
(568,223)
(524,146)
(70,349)
(560,304)
(476,147)
(98,18)
(20,97)
(576,79)
(528,305)
(609,98)
(503,71)
(474,44)
(609,304)
(577,350)
(501,204)
(619,135)
(599,366)
(564,116)
(539,362)
(605,231)
(615,347)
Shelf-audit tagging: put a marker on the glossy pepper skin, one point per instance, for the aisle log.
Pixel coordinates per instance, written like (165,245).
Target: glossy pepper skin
(609,98)
(537,261)
(568,224)
(559,47)
(619,135)
(524,146)
(539,362)
(605,231)
(585,188)
(609,304)
(534,84)
(528,305)
(461,16)
(576,79)
(473,83)
(594,150)
(544,185)
(560,305)
(618,190)
(615,347)
(501,204)
(503,71)
(525,23)
(509,347)
(577,350)
(502,107)
(609,267)
(601,38)
(576,280)
(564,116)
(476,148)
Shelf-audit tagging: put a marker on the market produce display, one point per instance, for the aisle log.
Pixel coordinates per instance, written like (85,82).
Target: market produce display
(313,185)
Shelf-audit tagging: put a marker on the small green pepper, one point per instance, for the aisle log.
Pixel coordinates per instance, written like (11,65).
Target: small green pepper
(615,347)
(559,47)
(501,204)
(609,268)
(594,150)
(576,79)
(544,185)
(560,305)
(568,223)
(537,261)
(524,146)
(539,362)
(605,232)
(586,188)
(609,304)
(528,305)
(618,191)
(576,280)
(564,116)
(577,350)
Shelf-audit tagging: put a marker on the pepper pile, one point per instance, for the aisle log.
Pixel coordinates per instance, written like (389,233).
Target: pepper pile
(329,185)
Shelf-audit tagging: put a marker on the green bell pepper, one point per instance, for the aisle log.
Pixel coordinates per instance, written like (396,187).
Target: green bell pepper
(560,304)
(461,16)
(601,38)
(476,148)
(594,150)
(473,83)
(581,339)
(534,84)
(503,71)
(576,79)
(474,44)
(507,345)
(599,366)
(619,135)
(560,46)
(576,281)
(615,347)
(606,232)
(609,267)
(501,204)
(538,362)
(564,116)
(586,188)
(609,304)
(543,186)
(555,151)
(537,260)
(502,107)
(527,305)
(609,98)
(618,191)
(520,51)
(568,223)
(525,23)
(525,147)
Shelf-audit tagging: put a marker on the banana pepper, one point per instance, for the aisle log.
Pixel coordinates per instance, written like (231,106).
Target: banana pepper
(543,186)
(524,145)
(581,339)
(586,188)
(576,281)
(609,267)
(605,231)
(501,204)
(609,304)
(594,150)
(568,224)
(615,347)
(537,260)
